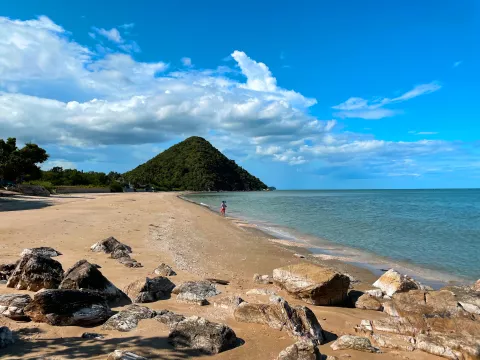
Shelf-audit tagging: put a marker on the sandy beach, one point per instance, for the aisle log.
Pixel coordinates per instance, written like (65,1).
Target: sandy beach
(197,243)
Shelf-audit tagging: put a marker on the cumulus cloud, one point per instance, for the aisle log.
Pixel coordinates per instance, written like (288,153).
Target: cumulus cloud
(112,34)
(375,109)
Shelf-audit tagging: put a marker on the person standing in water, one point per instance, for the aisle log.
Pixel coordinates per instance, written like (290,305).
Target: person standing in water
(223,208)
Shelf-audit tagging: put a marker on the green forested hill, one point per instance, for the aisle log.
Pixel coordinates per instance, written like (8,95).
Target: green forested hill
(194,164)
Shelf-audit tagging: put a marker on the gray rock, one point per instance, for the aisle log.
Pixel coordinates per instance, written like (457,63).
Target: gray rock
(33,190)
(164,270)
(347,342)
(36,272)
(109,245)
(12,306)
(6,337)
(129,262)
(195,292)
(198,333)
(150,290)
(44,250)
(84,275)
(168,317)
(191,298)
(92,336)
(6,270)
(124,355)
(120,253)
(129,318)
(301,350)
(68,307)
(229,302)
(262,279)
(264,292)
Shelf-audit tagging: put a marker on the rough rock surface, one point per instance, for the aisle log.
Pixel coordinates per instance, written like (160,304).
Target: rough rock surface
(368,302)
(129,262)
(44,250)
(33,190)
(68,307)
(6,337)
(265,292)
(377,293)
(299,321)
(83,275)
(195,292)
(35,272)
(168,317)
(129,318)
(124,355)
(150,290)
(12,305)
(468,298)
(262,279)
(229,302)
(301,350)
(164,270)
(120,253)
(198,333)
(476,286)
(110,244)
(191,298)
(393,282)
(313,284)
(92,336)
(359,343)
(6,270)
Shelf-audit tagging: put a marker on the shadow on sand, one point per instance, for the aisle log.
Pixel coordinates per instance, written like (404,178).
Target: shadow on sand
(19,204)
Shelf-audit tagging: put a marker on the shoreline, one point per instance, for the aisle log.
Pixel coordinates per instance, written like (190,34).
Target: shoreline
(329,250)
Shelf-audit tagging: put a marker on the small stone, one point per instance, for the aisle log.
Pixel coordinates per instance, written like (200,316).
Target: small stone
(129,318)
(92,336)
(124,355)
(359,343)
(265,292)
(301,350)
(6,337)
(164,270)
(262,279)
(109,245)
(300,256)
(12,306)
(229,302)
(218,281)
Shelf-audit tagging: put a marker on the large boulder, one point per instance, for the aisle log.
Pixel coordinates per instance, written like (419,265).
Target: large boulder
(109,245)
(299,321)
(12,306)
(6,270)
(124,355)
(83,275)
(393,282)
(35,272)
(6,337)
(150,290)
(313,284)
(164,270)
(195,292)
(200,334)
(129,318)
(301,350)
(368,302)
(43,250)
(351,342)
(468,298)
(33,190)
(62,307)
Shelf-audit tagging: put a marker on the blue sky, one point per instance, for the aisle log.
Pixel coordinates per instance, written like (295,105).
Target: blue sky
(304,94)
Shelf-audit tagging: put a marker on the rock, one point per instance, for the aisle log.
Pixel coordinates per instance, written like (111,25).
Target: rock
(191,298)
(129,262)
(229,302)
(347,342)
(92,336)
(195,292)
(83,275)
(68,307)
(6,337)
(450,346)
(299,321)
(330,357)
(476,286)
(198,333)
(377,293)
(300,256)
(109,245)
(218,281)
(368,302)
(301,350)
(33,190)
(129,318)
(45,251)
(394,341)
(393,282)
(169,318)
(124,355)
(265,292)
(120,253)
(262,279)
(468,298)
(6,270)
(164,270)
(35,272)
(150,290)
(12,305)
(313,284)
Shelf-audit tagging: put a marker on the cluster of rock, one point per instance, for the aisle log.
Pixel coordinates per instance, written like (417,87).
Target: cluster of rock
(117,251)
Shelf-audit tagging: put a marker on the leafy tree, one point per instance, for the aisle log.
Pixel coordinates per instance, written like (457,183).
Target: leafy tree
(20,164)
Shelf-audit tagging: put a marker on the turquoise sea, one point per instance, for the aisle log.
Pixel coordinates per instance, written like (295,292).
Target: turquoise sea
(434,233)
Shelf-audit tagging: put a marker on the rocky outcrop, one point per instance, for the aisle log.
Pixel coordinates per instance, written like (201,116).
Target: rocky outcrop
(301,350)
(299,321)
(164,270)
(35,272)
(84,275)
(168,317)
(33,190)
(6,337)
(129,318)
(44,250)
(229,302)
(313,284)
(6,270)
(351,342)
(150,290)
(109,245)
(368,302)
(393,282)
(68,307)
(124,355)
(195,292)
(12,305)
(262,279)
(468,298)
(200,334)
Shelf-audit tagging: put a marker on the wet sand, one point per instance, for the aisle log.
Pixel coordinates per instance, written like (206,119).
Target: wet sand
(197,243)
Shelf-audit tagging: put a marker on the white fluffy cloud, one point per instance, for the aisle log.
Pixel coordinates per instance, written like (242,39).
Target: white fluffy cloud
(54,90)
(186,61)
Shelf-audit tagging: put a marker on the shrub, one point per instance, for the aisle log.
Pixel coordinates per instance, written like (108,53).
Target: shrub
(116,187)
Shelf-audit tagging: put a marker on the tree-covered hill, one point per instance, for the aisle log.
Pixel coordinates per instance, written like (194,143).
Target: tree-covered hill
(194,164)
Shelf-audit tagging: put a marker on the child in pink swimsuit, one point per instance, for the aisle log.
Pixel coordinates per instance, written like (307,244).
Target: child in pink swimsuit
(223,208)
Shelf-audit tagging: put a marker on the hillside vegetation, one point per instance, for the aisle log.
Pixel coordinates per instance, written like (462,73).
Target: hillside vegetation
(194,164)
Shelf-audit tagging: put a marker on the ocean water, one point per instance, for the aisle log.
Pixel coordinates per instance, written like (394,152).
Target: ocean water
(434,232)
